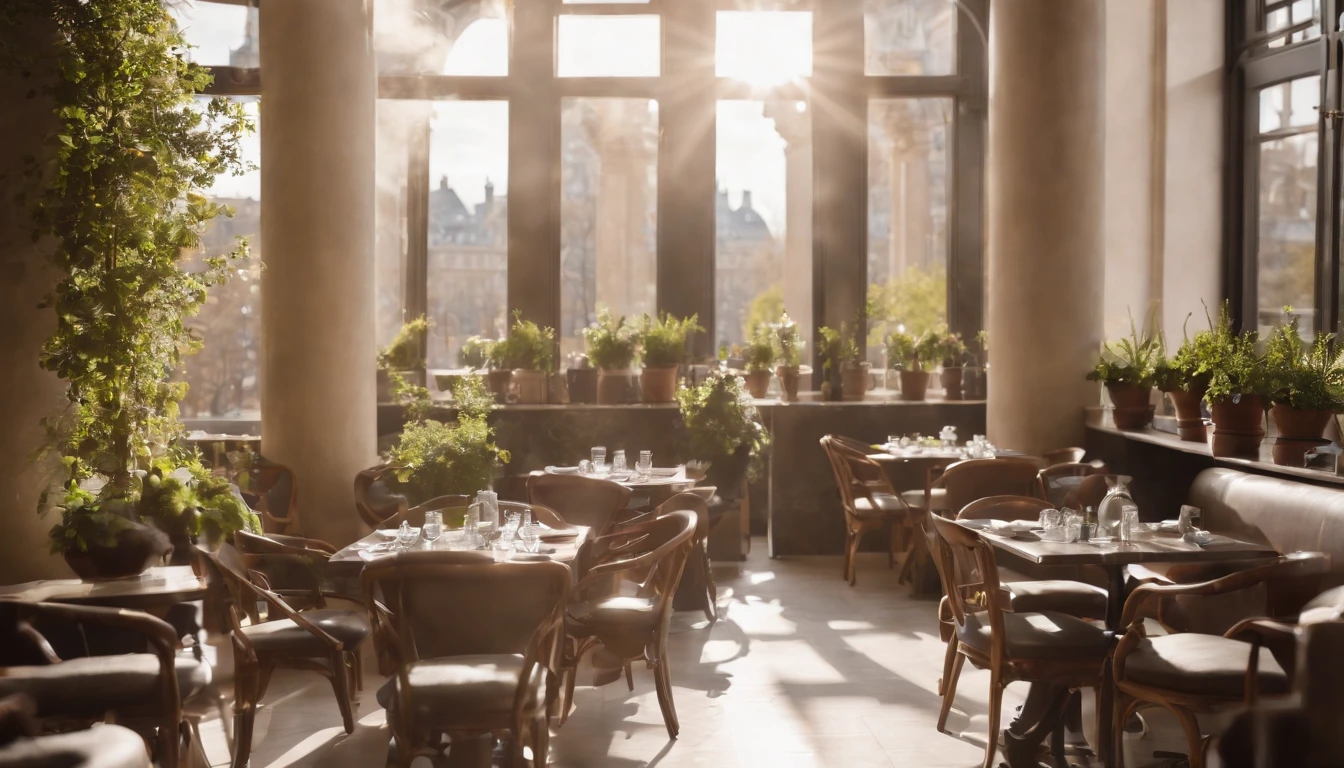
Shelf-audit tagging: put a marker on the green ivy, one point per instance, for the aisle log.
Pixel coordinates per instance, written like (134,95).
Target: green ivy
(436,458)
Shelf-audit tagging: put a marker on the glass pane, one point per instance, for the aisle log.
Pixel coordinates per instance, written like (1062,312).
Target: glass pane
(401,124)
(608,46)
(220,35)
(222,376)
(1289,15)
(603,2)
(468,225)
(763,218)
(764,47)
(470,37)
(1287,230)
(1291,104)
(608,211)
(908,184)
(910,37)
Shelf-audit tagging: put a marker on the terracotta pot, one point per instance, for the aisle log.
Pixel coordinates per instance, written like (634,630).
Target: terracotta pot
(500,383)
(531,386)
(951,378)
(1238,427)
(613,387)
(758,383)
(1297,424)
(788,382)
(1189,416)
(582,385)
(914,385)
(854,380)
(1133,409)
(137,549)
(659,384)
(1293,453)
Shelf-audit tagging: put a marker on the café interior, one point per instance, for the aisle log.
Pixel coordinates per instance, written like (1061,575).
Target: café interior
(608,383)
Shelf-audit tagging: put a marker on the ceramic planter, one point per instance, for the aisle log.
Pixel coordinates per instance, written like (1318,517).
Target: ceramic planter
(1288,452)
(500,383)
(1238,427)
(1133,408)
(531,386)
(788,382)
(1296,424)
(854,380)
(613,387)
(1189,415)
(137,549)
(659,383)
(758,383)
(914,385)
(582,385)
(952,382)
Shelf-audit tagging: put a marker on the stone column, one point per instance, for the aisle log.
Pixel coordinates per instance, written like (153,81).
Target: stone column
(794,124)
(317,230)
(1045,201)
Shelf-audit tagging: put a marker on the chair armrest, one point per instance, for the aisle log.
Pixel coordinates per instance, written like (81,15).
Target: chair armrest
(541,650)
(302,543)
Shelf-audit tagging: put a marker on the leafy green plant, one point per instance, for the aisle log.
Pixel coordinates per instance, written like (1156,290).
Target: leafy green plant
(403,352)
(911,352)
(982,340)
(1306,378)
(528,347)
(837,348)
(720,420)
(788,343)
(611,343)
(1233,365)
(1187,370)
(123,201)
(460,457)
(951,349)
(759,353)
(1132,360)
(663,339)
(475,352)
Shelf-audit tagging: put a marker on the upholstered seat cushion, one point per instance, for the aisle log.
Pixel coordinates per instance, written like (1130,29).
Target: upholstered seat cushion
(453,686)
(620,612)
(1072,597)
(880,505)
(90,686)
(103,746)
(915,498)
(285,636)
(1039,636)
(1200,664)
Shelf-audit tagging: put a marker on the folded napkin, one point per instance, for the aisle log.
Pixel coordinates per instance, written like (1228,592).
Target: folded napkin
(563,470)
(1015,526)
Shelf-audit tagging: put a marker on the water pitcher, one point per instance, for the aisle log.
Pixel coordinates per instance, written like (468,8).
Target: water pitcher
(1111,511)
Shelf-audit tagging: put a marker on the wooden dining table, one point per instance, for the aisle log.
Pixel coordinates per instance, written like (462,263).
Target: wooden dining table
(152,591)
(348,563)
(1044,707)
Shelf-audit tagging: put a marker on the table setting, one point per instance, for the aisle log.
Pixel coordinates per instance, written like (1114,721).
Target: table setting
(943,446)
(643,474)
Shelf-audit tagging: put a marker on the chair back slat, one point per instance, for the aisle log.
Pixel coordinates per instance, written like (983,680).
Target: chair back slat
(972,578)
(588,501)
(972,479)
(1004,508)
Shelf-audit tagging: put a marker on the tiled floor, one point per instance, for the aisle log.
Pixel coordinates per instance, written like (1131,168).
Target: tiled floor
(800,670)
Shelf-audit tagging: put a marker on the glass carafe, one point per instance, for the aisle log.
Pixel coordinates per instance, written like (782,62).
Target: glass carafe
(1111,511)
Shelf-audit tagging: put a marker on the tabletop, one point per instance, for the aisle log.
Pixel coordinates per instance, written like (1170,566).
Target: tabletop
(349,562)
(1149,548)
(886,454)
(660,477)
(156,586)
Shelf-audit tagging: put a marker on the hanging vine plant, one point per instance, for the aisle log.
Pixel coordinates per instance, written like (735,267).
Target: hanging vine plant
(122,201)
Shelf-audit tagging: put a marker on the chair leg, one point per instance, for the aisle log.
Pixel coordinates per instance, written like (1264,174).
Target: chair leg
(242,733)
(849,539)
(1121,711)
(853,557)
(711,592)
(892,530)
(340,682)
(995,705)
(950,685)
(170,745)
(662,680)
(1106,703)
(629,678)
(1193,738)
(358,656)
(541,740)
(949,657)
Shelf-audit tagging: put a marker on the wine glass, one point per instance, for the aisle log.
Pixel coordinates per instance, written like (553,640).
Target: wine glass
(645,464)
(531,534)
(618,461)
(433,527)
(598,454)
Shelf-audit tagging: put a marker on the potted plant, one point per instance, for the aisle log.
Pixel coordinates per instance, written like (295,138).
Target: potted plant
(459,457)
(722,427)
(475,352)
(1127,368)
(788,356)
(529,354)
(581,379)
(974,377)
(401,359)
(1238,386)
(758,356)
(612,346)
(952,350)
(123,203)
(1307,389)
(663,344)
(1184,377)
(845,377)
(910,355)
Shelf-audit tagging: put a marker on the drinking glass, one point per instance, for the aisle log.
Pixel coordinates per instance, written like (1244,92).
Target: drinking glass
(510,527)
(1129,525)
(530,533)
(645,465)
(433,527)
(489,503)
(471,528)
(618,461)
(893,441)
(406,535)
(1190,519)
(1050,519)
(585,467)
(599,457)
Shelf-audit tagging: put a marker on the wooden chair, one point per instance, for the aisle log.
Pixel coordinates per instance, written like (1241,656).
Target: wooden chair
(294,567)
(144,691)
(1064,456)
(1189,672)
(971,479)
(629,618)
(380,507)
(1064,493)
(1044,647)
(273,492)
(868,500)
(326,641)
(477,646)
(579,500)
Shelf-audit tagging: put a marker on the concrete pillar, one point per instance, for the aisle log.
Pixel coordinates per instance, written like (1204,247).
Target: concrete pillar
(27,393)
(317,230)
(795,127)
(1045,201)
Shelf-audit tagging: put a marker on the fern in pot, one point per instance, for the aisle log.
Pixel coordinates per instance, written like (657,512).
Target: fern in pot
(1184,377)
(1127,368)
(913,356)
(400,364)
(952,352)
(612,346)
(662,342)
(123,203)
(1238,389)
(529,353)
(722,427)
(758,357)
(1307,388)
(844,376)
(788,344)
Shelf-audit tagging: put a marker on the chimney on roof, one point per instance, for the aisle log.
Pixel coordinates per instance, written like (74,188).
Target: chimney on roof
(746,199)
(489,194)
(443,181)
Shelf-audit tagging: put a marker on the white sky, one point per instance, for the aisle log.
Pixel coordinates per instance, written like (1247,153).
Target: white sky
(470,139)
